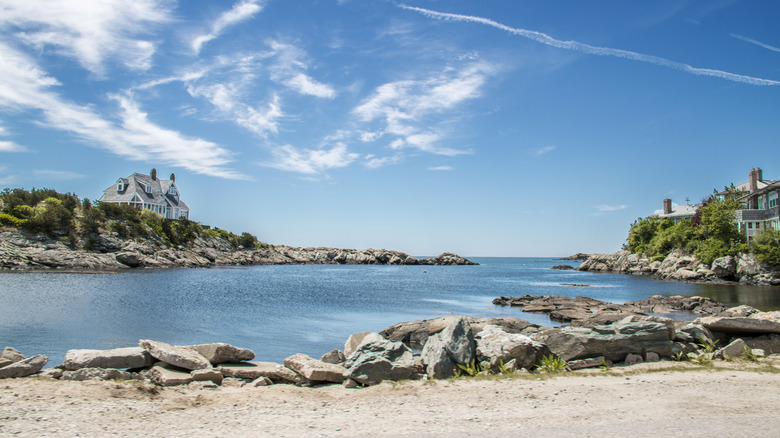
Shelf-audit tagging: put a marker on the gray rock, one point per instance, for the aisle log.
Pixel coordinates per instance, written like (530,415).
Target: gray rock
(130,357)
(652,357)
(12,354)
(99,374)
(350,384)
(261,381)
(218,353)
(24,368)
(334,356)
(255,370)
(742,311)
(769,343)
(352,343)
(725,268)
(497,346)
(209,374)
(668,322)
(593,362)
(377,359)
(415,333)
(694,333)
(755,324)
(4,362)
(130,259)
(735,348)
(51,373)
(632,359)
(315,370)
(612,341)
(175,355)
(164,375)
(455,345)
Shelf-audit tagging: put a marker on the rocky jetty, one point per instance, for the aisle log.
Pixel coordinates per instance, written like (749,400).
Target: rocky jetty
(451,346)
(677,266)
(22,251)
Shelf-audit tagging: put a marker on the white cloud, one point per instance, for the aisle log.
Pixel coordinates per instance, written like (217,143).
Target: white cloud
(544,150)
(404,109)
(441,168)
(594,50)
(58,174)
(311,161)
(9,146)
(226,97)
(374,162)
(25,87)
(604,208)
(241,11)
(91,31)
(287,69)
(758,43)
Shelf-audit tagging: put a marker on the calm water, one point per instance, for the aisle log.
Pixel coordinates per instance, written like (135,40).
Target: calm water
(281,310)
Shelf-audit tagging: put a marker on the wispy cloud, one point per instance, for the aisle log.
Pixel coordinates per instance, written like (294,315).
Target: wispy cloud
(374,162)
(91,31)
(593,50)
(288,69)
(604,208)
(241,11)
(406,110)
(311,161)
(63,175)
(441,168)
(541,151)
(758,43)
(26,87)
(9,146)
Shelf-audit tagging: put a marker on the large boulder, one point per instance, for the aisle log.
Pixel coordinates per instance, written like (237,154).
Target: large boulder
(274,372)
(130,357)
(499,347)
(218,353)
(334,356)
(99,374)
(415,333)
(694,333)
(315,370)
(756,324)
(612,341)
(182,357)
(12,354)
(163,374)
(725,268)
(24,368)
(735,348)
(353,342)
(377,359)
(453,346)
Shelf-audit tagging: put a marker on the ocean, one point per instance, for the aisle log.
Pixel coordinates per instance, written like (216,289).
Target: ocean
(278,311)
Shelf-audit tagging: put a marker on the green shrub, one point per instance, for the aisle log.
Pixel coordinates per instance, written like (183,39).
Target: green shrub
(7,220)
(51,216)
(766,247)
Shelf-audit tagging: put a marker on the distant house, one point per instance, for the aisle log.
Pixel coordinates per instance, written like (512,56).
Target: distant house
(677,213)
(148,192)
(760,202)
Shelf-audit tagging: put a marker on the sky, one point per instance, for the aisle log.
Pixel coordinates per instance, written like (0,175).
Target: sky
(490,128)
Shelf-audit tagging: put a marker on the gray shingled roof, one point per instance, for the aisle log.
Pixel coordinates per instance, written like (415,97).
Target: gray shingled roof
(135,185)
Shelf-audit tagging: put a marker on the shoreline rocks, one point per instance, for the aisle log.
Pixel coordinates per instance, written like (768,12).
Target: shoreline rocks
(680,267)
(20,251)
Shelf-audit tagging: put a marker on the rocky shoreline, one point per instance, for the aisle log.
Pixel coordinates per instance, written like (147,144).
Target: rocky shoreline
(24,252)
(677,266)
(605,335)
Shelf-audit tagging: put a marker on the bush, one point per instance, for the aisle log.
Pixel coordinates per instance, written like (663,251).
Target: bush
(766,247)
(7,220)
(51,216)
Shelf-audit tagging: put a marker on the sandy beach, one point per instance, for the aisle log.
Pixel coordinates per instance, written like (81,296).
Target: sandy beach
(665,398)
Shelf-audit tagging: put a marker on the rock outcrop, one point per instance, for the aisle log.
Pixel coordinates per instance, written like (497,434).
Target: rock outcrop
(678,266)
(376,359)
(453,346)
(416,333)
(23,251)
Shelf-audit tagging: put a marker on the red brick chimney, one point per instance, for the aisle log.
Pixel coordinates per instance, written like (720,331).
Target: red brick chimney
(667,206)
(753,179)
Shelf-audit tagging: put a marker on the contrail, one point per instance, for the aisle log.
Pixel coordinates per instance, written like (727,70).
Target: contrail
(758,43)
(594,50)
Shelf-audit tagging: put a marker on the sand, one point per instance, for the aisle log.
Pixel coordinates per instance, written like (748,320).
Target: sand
(661,399)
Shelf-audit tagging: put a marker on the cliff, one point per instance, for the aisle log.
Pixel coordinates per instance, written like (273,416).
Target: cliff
(677,266)
(24,251)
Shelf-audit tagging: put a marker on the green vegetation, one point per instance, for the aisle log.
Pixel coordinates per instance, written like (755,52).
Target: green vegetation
(79,222)
(552,364)
(710,234)
(766,247)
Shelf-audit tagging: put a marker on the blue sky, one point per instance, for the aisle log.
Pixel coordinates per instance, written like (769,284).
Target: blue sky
(491,128)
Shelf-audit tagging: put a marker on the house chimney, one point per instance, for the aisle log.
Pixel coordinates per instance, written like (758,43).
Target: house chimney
(753,178)
(173,177)
(153,174)
(667,206)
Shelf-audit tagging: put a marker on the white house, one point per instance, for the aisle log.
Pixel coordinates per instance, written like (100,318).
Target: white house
(760,202)
(148,192)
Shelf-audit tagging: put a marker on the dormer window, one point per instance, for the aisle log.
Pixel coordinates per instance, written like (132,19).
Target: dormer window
(120,186)
(148,188)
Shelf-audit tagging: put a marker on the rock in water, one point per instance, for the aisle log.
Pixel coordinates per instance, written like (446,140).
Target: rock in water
(377,359)
(453,346)
(175,355)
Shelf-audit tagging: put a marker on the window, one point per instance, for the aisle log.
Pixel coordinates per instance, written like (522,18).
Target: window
(148,188)
(750,225)
(120,187)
